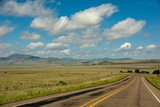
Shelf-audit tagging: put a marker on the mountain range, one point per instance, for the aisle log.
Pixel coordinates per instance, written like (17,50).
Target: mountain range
(21,59)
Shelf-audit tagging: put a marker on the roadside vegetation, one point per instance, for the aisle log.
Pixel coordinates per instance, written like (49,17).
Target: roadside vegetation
(20,83)
(154,78)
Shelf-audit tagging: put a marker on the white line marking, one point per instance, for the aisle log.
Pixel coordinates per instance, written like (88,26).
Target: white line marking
(151,91)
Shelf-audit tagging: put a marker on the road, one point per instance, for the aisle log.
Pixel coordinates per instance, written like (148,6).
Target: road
(137,94)
(133,92)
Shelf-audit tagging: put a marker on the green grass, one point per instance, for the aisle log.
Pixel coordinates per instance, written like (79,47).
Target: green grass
(20,83)
(154,80)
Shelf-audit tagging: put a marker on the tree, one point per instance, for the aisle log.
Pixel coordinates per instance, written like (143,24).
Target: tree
(156,72)
(129,71)
(136,70)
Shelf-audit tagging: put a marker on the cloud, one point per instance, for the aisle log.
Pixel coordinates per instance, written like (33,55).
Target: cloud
(26,35)
(90,37)
(151,47)
(149,51)
(43,53)
(139,48)
(54,25)
(83,39)
(64,24)
(56,46)
(94,15)
(5,49)
(4,46)
(28,8)
(45,23)
(79,20)
(33,46)
(147,48)
(66,51)
(125,28)
(124,46)
(5,29)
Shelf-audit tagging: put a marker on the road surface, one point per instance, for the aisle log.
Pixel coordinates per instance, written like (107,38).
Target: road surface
(133,92)
(137,94)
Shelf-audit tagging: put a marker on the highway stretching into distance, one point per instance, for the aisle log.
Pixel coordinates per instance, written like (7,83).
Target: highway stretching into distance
(132,92)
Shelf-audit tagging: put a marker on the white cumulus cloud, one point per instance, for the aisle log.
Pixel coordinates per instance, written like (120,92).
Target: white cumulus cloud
(124,46)
(27,8)
(56,45)
(5,29)
(66,51)
(26,35)
(33,46)
(84,39)
(139,48)
(94,15)
(45,23)
(150,47)
(125,28)
(82,19)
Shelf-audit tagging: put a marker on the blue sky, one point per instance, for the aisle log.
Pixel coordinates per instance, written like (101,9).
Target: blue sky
(81,28)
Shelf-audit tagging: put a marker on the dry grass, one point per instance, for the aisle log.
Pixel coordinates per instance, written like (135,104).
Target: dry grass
(20,83)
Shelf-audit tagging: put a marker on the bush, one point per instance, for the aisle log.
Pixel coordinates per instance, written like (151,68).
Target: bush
(129,71)
(62,83)
(144,72)
(156,72)
(136,70)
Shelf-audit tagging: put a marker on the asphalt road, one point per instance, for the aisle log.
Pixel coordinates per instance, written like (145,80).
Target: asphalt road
(138,94)
(132,92)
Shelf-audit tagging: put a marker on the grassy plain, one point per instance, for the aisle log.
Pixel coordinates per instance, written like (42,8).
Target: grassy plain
(20,83)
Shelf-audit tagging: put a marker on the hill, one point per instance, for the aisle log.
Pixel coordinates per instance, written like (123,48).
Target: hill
(29,60)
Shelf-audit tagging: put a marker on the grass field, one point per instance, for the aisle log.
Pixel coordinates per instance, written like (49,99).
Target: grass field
(20,83)
(154,80)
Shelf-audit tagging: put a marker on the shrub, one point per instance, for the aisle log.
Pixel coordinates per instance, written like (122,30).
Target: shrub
(156,72)
(62,82)
(129,71)
(136,70)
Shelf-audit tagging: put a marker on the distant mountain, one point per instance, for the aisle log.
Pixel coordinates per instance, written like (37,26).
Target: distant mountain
(101,59)
(21,59)
(26,60)
(106,58)
(68,59)
(123,59)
